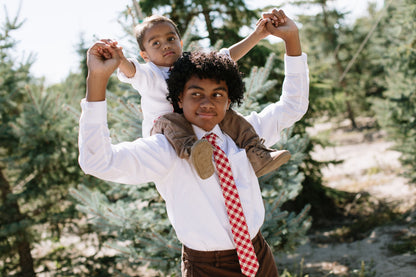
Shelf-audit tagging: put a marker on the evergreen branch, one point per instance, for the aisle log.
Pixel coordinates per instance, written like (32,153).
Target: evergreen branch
(35,102)
(363,43)
(277,202)
(71,110)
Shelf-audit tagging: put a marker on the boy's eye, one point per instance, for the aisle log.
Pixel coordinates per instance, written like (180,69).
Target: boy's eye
(171,39)
(155,43)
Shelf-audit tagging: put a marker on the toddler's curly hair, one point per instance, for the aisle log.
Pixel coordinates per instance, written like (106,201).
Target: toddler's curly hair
(212,65)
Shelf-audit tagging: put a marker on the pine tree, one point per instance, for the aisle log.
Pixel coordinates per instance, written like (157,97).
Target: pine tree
(397,112)
(38,162)
(13,221)
(344,59)
(345,76)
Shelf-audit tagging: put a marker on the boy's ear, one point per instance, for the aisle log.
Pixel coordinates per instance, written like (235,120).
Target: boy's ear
(228,104)
(181,43)
(143,54)
(180,102)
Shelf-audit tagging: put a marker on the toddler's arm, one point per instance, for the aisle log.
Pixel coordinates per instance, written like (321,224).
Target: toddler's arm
(238,50)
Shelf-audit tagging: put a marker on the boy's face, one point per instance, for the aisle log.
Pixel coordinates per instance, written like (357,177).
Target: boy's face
(204,102)
(162,45)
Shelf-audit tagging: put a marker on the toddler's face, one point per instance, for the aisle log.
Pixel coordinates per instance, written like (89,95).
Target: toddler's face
(162,45)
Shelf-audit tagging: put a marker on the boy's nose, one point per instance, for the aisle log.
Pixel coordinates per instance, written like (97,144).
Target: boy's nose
(166,45)
(206,102)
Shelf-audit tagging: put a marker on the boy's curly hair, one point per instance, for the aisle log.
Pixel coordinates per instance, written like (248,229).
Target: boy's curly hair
(141,29)
(211,65)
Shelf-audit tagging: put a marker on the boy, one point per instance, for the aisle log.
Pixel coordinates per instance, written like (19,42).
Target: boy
(160,44)
(203,87)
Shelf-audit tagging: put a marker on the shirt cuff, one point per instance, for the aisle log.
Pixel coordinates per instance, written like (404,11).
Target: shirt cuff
(296,64)
(225,51)
(93,112)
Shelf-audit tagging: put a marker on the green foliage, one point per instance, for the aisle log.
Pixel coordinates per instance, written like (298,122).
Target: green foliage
(405,245)
(136,225)
(345,60)
(397,112)
(38,160)
(220,19)
(282,229)
(285,230)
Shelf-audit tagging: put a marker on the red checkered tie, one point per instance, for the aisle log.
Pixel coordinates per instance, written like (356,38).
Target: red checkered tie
(245,250)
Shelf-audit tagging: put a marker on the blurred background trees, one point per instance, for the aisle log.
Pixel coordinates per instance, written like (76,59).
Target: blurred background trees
(38,160)
(396,110)
(364,68)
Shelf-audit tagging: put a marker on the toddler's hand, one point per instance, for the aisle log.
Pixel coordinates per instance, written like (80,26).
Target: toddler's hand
(281,25)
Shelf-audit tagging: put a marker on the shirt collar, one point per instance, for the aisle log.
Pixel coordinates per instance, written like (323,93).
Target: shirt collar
(216,130)
(163,69)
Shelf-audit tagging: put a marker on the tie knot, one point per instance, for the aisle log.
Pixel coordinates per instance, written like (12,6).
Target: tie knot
(212,138)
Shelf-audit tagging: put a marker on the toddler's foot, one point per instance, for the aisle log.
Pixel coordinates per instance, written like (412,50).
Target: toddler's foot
(201,158)
(266,160)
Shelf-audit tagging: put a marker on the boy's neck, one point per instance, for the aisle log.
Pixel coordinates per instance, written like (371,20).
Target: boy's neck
(199,132)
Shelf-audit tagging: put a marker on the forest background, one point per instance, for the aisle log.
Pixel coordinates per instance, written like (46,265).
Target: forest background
(55,221)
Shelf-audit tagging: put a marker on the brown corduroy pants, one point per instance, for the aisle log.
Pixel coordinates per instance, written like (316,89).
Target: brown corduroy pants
(225,263)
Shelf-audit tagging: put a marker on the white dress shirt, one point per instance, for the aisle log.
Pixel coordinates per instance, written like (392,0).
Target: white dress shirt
(195,207)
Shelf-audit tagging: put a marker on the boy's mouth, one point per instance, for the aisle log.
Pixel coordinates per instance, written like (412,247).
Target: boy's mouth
(168,53)
(206,114)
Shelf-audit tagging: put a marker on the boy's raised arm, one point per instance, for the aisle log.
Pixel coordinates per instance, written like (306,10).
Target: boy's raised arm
(102,60)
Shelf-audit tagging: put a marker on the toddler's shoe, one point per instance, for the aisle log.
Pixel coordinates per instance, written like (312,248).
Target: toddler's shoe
(265,160)
(201,158)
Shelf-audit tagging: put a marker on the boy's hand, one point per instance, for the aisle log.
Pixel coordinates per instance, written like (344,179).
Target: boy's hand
(102,59)
(285,28)
(281,25)
(114,44)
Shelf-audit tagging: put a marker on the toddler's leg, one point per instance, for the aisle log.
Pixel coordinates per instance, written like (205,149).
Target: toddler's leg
(181,136)
(264,160)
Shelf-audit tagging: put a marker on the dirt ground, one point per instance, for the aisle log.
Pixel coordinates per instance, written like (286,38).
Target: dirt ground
(372,169)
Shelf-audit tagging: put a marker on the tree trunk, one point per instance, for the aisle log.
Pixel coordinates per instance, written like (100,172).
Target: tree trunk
(208,22)
(14,215)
